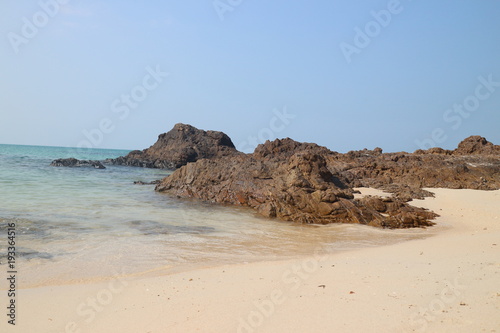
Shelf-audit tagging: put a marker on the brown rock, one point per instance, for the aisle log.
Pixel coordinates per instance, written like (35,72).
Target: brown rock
(475,164)
(307,183)
(291,181)
(181,145)
(476,145)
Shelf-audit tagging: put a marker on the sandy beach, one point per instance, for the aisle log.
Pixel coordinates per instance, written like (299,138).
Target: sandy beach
(448,282)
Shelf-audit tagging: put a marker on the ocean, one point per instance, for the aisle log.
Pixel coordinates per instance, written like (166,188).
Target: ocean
(77,225)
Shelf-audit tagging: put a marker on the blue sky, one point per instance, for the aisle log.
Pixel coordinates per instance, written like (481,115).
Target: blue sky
(347,75)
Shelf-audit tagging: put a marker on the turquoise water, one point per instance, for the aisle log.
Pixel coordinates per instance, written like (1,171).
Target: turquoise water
(81,224)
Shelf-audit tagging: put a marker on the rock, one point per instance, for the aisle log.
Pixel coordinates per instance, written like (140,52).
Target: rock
(307,183)
(73,162)
(181,145)
(476,145)
(154,182)
(475,164)
(291,181)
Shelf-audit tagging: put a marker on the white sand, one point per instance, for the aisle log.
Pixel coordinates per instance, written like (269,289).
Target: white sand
(449,282)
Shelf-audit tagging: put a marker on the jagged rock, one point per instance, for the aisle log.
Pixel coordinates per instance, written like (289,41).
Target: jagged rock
(476,145)
(73,162)
(307,183)
(181,145)
(435,150)
(406,174)
(291,181)
(475,164)
(140,182)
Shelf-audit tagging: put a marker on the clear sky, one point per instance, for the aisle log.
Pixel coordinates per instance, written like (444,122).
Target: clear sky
(343,74)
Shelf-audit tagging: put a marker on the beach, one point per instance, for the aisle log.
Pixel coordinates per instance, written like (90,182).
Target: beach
(447,282)
(247,167)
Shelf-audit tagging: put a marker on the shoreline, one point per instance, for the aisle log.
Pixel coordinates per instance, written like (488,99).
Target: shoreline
(445,282)
(397,236)
(290,241)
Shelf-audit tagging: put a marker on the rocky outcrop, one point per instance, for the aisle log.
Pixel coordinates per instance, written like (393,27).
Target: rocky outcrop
(307,183)
(181,145)
(475,164)
(291,181)
(477,145)
(473,145)
(73,162)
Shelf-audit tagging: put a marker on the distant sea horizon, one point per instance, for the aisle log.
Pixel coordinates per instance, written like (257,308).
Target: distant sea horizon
(122,150)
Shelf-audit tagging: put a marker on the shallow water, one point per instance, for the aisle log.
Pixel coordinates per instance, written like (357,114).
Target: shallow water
(80,224)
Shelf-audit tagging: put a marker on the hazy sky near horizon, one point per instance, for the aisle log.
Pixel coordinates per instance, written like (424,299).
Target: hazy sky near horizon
(400,75)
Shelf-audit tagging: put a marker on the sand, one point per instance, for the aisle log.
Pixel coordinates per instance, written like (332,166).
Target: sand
(448,282)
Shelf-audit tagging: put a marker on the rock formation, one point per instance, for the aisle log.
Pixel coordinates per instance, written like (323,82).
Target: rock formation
(73,162)
(181,145)
(290,181)
(477,145)
(475,164)
(307,183)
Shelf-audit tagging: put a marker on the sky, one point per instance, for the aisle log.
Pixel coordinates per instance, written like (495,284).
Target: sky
(348,75)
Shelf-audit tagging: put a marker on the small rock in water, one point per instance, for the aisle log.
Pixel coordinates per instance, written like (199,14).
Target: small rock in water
(73,162)
(140,182)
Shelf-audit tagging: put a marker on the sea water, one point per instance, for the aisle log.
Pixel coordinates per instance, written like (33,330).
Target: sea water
(84,224)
